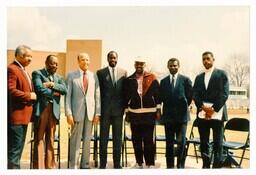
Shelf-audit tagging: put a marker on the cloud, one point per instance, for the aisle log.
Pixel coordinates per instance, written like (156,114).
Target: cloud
(28,26)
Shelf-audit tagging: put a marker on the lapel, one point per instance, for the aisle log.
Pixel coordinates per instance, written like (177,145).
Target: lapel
(168,83)
(29,81)
(202,80)
(177,83)
(78,77)
(45,75)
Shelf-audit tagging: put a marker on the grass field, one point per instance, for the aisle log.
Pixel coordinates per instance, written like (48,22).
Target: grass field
(160,159)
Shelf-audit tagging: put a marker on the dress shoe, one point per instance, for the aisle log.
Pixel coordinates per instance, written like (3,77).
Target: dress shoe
(137,166)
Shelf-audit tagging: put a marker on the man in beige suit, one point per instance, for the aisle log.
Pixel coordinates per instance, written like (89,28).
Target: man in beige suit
(82,108)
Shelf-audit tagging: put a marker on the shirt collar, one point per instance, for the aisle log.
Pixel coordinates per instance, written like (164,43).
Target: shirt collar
(110,68)
(175,75)
(22,67)
(82,72)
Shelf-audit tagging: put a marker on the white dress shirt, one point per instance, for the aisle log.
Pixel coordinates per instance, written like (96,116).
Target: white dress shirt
(207,76)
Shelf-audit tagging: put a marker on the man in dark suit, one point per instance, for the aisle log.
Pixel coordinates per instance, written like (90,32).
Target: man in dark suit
(49,86)
(111,81)
(211,90)
(20,98)
(176,95)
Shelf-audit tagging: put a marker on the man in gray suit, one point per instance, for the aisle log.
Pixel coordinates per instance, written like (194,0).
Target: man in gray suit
(111,79)
(82,108)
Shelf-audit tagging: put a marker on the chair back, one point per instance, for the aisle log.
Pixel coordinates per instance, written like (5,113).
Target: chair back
(238,124)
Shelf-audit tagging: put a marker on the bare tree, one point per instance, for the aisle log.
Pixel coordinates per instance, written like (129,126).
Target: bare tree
(238,70)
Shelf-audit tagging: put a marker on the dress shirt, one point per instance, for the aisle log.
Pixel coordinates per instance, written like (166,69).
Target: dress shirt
(175,78)
(111,73)
(207,76)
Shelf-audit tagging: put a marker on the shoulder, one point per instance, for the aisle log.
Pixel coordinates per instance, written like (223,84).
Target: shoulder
(165,79)
(35,72)
(103,70)
(149,75)
(200,75)
(72,75)
(122,70)
(220,71)
(184,77)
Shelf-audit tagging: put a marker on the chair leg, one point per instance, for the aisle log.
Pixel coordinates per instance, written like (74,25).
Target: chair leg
(242,157)
(122,154)
(125,150)
(68,152)
(59,152)
(31,153)
(195,150)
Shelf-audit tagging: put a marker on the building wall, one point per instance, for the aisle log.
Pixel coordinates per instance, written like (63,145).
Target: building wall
(92,47)
(39,59)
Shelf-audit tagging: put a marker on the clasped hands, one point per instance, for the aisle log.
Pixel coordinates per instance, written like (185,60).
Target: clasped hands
(50,85)
(209,111)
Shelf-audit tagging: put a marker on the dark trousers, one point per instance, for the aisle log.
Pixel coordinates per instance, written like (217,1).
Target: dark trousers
(16,139)
(44,131)
(175,131)
(204,127)
(116,123)
(143,143)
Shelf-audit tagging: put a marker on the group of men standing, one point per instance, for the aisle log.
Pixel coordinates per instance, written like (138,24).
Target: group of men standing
(104,97)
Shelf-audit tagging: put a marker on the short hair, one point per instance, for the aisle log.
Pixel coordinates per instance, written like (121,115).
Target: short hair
(21,50)
(49,57)
(82,54)
(172,60)
(111,52)
(207,52)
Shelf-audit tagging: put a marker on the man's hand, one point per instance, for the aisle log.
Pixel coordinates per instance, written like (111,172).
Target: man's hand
(56,94)
(32,95)
(70,120)
(48,84)
(209,111)
(96,119)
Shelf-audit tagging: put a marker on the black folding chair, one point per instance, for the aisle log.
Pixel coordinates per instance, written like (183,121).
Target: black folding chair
(159,137)
(127,137)
(240,127)
(194,139)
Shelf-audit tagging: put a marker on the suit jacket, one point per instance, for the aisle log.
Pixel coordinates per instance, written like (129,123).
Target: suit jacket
(45,95)
(19,102)
(216,93)
(112,98)
(77,102)
(176,102)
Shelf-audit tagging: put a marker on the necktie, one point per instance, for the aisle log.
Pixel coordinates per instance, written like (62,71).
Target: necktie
(172,83)
(85,82)
(113,77)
